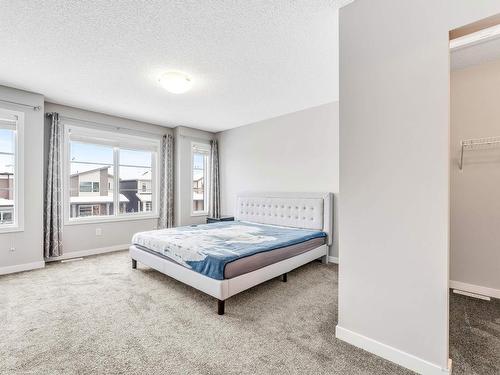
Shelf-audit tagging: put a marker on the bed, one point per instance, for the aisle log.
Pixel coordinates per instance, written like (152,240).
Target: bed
(273,233)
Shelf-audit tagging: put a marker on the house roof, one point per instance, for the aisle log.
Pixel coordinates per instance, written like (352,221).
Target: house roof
(146,176)
(144,197)
(91,171)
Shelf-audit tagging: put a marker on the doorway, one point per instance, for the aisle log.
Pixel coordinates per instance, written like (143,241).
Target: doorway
(475,197)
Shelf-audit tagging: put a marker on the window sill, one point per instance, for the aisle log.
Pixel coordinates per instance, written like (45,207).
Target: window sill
(195,214)
(11,229)
(111,219)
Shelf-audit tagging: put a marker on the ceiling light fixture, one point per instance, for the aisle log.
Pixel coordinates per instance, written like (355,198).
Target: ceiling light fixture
(176,82)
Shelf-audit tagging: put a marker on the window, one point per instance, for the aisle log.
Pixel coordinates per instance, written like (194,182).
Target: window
(6,217)
(199,165)
(90,187)
(109,176)
(90,164)
(11,192)
(135,174)
(89,210)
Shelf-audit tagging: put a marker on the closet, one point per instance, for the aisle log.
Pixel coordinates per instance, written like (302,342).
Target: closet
(475,202)
(475,163)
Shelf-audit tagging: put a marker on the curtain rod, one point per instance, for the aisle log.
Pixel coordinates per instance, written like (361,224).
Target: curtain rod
(34,107)
(111,127)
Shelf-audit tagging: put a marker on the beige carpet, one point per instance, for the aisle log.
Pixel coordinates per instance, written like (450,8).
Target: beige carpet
(98,316)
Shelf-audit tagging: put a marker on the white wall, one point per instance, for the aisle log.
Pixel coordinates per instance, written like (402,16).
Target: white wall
(297,152)
(394,176)
(115,235)
(183,179)
(28,244)
(475,191)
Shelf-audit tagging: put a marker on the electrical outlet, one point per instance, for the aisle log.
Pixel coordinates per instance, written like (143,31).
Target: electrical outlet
(12,249)
(98,231)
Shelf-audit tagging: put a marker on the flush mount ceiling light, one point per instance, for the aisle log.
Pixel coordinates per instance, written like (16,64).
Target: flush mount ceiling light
(175,82)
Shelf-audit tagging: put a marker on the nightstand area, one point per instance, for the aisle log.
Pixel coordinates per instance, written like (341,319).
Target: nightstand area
(222,218)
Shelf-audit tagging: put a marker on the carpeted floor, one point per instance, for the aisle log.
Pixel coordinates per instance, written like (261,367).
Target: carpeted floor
(474,335)
(98,316)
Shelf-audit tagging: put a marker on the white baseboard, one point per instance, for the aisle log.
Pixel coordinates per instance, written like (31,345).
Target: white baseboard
(333,260)
(476,289)
(21,267)
(86,253)
(388,352)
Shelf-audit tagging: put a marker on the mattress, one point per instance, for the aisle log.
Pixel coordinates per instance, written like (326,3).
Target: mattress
(254,262)
(215,250)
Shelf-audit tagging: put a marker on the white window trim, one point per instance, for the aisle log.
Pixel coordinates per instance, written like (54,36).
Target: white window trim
(204,147)
(18,224)
(127,141)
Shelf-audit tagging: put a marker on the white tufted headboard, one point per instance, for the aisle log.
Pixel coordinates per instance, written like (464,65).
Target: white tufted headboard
(298,210)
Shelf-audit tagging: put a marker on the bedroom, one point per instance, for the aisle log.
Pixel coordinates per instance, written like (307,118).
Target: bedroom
(136,155)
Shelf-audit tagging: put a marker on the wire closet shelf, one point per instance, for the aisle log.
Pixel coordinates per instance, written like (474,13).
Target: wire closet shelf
(477,143)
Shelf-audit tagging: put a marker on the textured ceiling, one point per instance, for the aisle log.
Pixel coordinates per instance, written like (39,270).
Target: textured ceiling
(476,54)
(250,60)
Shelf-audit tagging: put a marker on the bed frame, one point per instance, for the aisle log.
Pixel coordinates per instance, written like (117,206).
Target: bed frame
(299,210)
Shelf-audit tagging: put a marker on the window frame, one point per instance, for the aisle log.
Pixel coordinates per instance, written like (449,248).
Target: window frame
(73,131)
(18,212)
(205,147)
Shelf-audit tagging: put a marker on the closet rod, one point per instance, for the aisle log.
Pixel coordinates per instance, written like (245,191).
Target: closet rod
(34,107)
(111,127)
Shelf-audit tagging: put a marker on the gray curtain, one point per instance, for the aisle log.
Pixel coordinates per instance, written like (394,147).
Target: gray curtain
(53,192)
(166,219)
(214,198)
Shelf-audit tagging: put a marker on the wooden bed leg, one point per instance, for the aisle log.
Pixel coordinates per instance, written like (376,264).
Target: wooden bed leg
(284,277)
(324,259)
(134,264)
(220,307)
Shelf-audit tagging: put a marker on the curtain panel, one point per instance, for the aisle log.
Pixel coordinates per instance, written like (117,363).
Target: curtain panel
(53,246)
(214,198)
(166,219)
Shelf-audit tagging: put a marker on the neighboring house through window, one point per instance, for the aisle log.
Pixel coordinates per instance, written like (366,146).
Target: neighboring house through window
(11,170)
(90,165)
(89,210)
(137,180)
(199,171)
(109,176)
(90,187)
